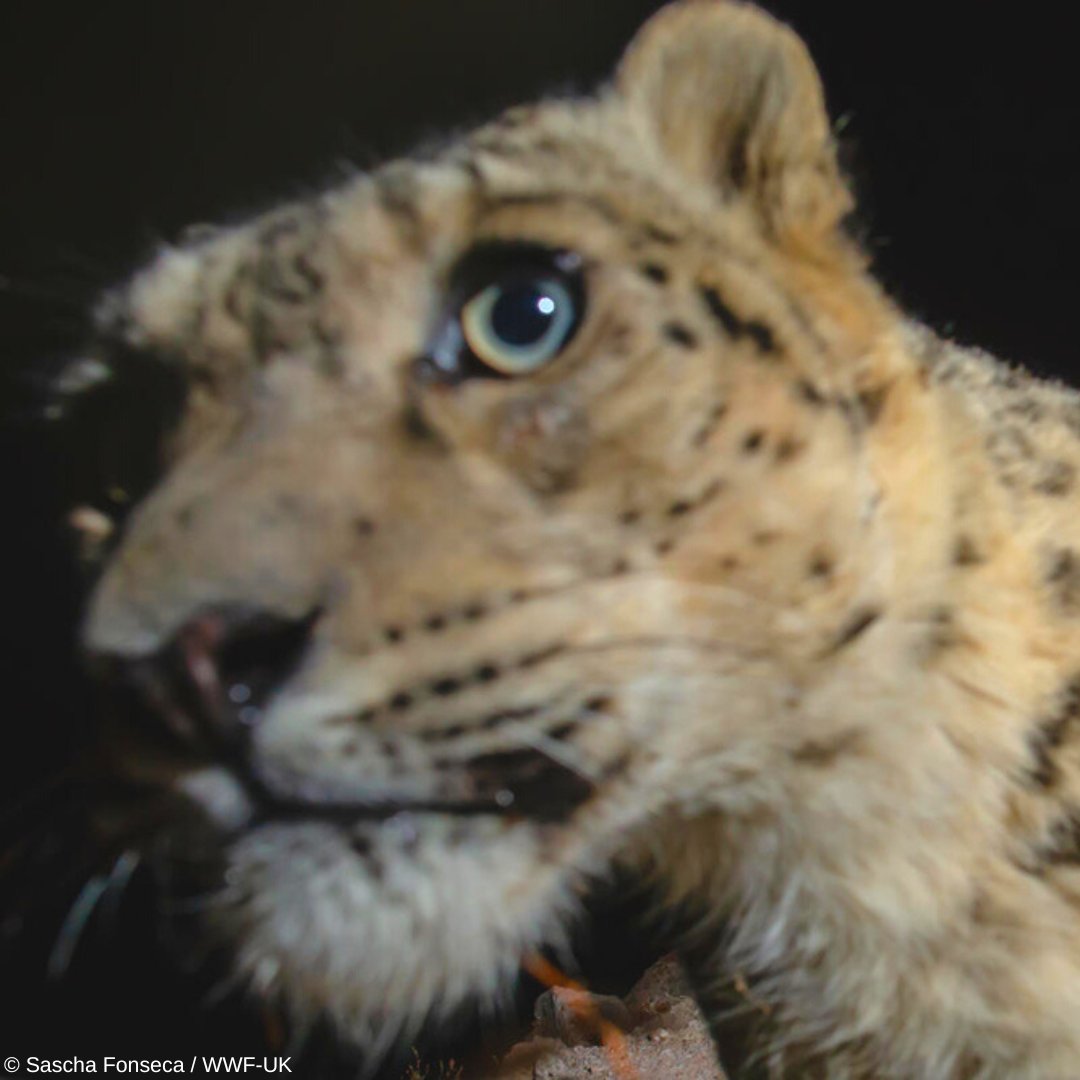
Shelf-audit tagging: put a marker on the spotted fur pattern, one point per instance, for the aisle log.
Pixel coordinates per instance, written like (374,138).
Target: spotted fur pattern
(759,588)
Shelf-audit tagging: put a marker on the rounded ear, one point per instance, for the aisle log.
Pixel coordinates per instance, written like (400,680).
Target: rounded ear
(735,102)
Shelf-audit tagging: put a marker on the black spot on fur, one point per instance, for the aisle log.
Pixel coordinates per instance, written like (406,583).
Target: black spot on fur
(486,673)
(710,491)
(806,391)
(1063,577)
(788,448)
(435,623)
(965,553)
(1063,843)
(872,401)
(400,701)
(503,716)
(446,686)
(853,629)
(710,424)
(736,327)
(1050,732)
(660,236)
(654,272)
(680,335)
(393,634)
(821,566)
(361,845)
(415,423)
(485,722)
(304,269)
(562,731)
(822,752)
(753,441)
(1058,478)
(761,336)
(729,321)
(533,659)
(942,631)
(364,526)
(1044,772)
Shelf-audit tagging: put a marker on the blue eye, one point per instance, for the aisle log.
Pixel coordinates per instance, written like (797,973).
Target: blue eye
(518,326)
(512,307)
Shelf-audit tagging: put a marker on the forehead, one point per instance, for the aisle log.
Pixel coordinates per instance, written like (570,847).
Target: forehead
(570,174)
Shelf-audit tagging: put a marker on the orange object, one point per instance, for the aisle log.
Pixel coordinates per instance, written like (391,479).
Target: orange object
(612,1038)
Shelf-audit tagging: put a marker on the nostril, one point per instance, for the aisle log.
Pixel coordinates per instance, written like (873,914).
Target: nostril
(213,679)
(207,687)
(236,661)
(256,655)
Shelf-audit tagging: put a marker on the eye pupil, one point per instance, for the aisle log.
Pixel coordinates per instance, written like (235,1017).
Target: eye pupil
(517,307)
(523,313)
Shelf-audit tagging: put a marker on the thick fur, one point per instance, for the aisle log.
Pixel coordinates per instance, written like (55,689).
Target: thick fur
(792,586)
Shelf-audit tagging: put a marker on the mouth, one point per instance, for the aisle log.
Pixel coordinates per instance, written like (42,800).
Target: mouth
(516,785)
(199,722)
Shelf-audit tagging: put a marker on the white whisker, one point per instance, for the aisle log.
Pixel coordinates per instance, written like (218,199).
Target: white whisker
(559,753)
(74,925)
(119,878)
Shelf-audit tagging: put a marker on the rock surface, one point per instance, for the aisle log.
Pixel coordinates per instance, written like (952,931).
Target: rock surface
(664,1035)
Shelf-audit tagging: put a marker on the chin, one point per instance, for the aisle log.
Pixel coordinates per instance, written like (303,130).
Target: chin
(383,926)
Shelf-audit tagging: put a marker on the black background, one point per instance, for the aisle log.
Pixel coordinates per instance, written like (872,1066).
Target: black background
(122,122)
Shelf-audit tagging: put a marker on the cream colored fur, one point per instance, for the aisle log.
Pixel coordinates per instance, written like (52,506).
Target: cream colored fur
(801,580)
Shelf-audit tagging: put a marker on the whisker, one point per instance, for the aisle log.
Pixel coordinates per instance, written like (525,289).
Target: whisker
(119,879)
(74,926)
(558,753)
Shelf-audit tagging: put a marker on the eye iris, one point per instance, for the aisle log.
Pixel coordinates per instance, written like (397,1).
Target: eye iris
(515,327)
(522,315)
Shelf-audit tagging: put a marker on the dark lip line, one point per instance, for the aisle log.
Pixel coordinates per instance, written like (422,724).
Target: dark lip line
(271,805)
(272,809)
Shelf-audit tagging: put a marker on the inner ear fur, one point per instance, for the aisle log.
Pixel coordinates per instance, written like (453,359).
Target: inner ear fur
(736,103)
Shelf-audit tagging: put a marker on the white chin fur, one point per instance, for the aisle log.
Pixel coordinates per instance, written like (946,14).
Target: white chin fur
(392,922)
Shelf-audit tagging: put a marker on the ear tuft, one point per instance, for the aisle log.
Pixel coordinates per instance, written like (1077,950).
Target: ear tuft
(736,103)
